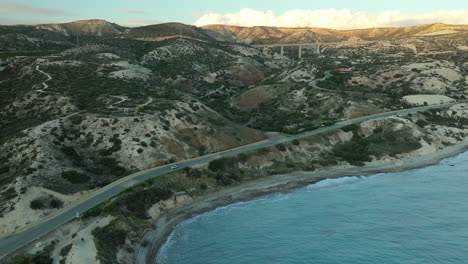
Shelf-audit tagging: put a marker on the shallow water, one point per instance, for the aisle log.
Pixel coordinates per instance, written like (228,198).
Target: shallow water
(418,216)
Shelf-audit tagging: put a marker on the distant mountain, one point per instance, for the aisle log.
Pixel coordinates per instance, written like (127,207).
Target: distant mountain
(93,27)
(171,30)
(265,35)
(401,32)
(62,35)
(29,38)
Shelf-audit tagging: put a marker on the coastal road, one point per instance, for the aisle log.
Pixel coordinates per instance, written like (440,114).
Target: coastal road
(33,232)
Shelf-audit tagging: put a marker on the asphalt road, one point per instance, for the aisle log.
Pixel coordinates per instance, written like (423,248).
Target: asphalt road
(12,242)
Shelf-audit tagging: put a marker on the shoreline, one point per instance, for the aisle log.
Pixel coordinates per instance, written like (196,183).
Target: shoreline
(166,224)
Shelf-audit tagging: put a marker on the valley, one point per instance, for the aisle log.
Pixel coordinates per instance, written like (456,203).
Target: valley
(86,104)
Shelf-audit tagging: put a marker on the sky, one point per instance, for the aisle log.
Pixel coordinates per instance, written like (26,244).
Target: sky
(339,14)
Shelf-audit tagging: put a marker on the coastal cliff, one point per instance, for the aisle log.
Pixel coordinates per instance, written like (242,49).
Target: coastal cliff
(145,215)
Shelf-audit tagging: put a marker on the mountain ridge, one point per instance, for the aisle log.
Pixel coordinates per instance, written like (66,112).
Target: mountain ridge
(265,34)
(254,34)
(96,27)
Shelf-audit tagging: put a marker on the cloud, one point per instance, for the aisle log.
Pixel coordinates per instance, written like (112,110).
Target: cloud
(18,21)
(8,7)
(198,14)
(132,11)
(138,22)
(332,18)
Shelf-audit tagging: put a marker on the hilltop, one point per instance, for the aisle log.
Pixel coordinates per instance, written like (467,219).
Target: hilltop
(58,36)
(94,27)
(266,35)
(167,30)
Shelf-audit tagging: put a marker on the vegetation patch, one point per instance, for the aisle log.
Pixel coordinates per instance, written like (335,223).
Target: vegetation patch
(384,141)
(45,202)
(137,203)
(435,116)
(108,239)
(336,81)
(41,257)
(65,250)
(75,177)
(37,204)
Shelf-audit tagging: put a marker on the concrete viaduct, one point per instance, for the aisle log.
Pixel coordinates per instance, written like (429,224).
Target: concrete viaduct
(315,46)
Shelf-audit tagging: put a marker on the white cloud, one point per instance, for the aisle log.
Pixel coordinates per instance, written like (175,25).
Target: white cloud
(332,18)
(18,21)
(8,7)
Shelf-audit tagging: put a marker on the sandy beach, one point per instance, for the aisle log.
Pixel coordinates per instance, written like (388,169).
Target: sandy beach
(274,184)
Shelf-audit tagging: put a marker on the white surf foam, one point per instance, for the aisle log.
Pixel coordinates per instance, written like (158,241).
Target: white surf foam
(334,182)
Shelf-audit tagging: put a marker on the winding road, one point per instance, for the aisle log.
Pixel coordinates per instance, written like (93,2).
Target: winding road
(313,84)
(44,83)
(12,242)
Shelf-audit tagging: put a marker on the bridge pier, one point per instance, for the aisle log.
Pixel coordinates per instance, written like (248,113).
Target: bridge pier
(300,52)
(282,52)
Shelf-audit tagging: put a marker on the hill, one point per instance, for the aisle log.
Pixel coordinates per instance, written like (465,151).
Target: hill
(94,27)
(169,30)
(266,35)
(29,38)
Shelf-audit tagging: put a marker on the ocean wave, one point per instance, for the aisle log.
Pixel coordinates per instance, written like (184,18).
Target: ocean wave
(414,179)
(334,182)
(238,205)
(162,256)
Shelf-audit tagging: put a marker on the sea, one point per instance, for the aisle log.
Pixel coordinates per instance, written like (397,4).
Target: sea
(416,216)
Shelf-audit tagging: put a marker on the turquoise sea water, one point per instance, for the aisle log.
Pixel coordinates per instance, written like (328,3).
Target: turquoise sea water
(418,216)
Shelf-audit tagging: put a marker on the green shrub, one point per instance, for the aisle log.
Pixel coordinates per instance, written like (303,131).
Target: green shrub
(352,151)
(382,142)
(192,173)
(76,120)
(31,259)
(65,250)
(353,128)
(281,147)
(225,178)
(37,204)
(108,241)
(202,151)
(55,203)
(45,203)
(4,169)
(139,202)
(75,177)
(109,166)
(71,152)
(117,145)
(9,193)
(216,165)
(93,212)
